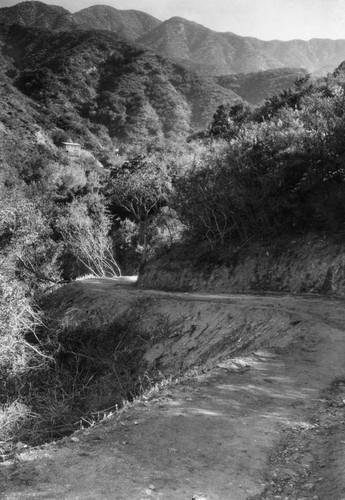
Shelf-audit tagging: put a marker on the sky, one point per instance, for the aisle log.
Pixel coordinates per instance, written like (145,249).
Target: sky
(264,19)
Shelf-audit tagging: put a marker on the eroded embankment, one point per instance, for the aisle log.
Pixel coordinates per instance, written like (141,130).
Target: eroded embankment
(313,264)
(264,422)
(171,333)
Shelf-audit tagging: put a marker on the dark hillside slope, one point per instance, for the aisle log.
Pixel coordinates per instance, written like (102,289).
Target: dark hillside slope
(90,83)
(37,14)
(258,86)
(130,24)
(20,123)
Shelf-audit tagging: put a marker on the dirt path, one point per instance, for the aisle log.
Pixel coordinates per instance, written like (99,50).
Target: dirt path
(268,425)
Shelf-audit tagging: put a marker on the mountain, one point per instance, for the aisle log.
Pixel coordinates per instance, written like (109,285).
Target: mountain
(95,88)
(131,24)
(185,42)
(208,51)
(258,86)
(38,14)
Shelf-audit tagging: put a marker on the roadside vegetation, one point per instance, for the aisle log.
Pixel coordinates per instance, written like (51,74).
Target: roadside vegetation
(277,169)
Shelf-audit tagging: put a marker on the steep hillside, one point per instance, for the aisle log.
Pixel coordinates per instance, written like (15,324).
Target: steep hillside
(255,87)
(22,124)
(226,53)
(277,174)
(187,42)
(130,24)
(93,84)
(311,264)
(261,393)
(37,14)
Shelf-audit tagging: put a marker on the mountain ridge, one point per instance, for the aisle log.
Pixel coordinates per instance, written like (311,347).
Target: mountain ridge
(196,46)
(37,14)
(94,86)
(130,24)
(186,42)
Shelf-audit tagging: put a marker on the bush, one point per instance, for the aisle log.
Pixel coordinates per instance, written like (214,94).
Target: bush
(85,237)
(282,174)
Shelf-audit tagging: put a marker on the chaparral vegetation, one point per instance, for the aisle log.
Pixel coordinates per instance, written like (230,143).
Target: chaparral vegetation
(168,158)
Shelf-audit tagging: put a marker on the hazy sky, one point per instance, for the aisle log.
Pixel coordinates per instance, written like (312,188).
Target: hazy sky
(265,19)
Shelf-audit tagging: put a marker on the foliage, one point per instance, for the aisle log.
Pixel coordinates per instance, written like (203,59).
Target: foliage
(257,86)
(253,173)
(281,169)
(85,236)
(47,202)
(138,191)
(96,89)
(227,120)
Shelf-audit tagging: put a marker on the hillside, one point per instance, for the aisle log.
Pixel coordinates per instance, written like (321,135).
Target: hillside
(196,46)
(226,53)
(247,402)
(130,24)
(96,87)
(258,86)
(37,14)
(251,203)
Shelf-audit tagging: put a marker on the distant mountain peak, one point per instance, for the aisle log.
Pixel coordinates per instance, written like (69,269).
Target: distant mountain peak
(178,19)
(31,6)
(131,24)
(202,49)
(37,14)
(183,41)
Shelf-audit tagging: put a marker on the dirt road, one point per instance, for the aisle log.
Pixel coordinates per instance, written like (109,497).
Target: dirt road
(268,424)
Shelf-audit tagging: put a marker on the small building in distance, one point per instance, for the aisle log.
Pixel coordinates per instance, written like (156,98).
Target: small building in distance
(72,148)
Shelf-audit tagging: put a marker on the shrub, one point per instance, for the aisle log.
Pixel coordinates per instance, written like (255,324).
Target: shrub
(85,236)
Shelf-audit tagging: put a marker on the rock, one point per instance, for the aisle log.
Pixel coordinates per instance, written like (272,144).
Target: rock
(21,446)
(75,439)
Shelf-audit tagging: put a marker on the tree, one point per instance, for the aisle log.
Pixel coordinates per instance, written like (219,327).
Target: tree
(85,235)
(139,189)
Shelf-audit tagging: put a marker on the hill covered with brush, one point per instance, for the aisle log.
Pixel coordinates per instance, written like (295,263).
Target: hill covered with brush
(254,176)
(205,50)
(96,87)
(185,42)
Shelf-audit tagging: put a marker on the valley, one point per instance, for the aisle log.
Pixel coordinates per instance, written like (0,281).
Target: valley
(212,166)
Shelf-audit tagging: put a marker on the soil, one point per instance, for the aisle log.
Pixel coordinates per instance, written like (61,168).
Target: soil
(260,417)
(310,263)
